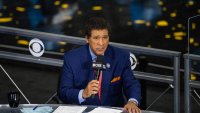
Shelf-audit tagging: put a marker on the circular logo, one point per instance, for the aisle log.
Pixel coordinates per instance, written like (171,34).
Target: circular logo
(107,65)
(133,61)
(36,47)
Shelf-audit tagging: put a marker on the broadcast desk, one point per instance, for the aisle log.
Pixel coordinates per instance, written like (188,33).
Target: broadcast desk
(4,108)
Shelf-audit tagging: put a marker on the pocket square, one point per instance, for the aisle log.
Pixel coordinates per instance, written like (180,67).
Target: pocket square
(115,79)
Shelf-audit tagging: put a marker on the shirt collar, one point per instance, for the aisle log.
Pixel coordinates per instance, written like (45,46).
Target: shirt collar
(92,54)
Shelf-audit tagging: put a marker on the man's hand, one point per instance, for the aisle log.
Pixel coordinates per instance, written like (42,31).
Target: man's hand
(92,88)
(131,107)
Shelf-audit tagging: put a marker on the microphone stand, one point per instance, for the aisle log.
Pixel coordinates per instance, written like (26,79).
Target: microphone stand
(14,84)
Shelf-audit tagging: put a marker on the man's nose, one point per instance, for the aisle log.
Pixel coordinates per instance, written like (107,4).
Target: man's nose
(101,42)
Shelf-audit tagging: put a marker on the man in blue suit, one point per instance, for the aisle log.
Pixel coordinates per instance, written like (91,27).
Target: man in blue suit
(78,83)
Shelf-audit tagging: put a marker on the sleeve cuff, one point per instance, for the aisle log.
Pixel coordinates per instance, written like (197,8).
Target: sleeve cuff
(133,100)
(80,97)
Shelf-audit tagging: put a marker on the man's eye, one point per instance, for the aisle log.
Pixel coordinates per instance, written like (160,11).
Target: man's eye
(105,37)
(95,38)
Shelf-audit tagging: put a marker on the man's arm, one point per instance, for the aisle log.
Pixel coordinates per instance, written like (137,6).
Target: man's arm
(67,92)
(131,85)
(132,89)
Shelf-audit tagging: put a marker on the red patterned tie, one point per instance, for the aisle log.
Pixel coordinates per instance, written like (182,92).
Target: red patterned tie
(100,81)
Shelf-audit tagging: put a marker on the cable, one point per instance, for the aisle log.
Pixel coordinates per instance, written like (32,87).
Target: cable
(196,93)
(195,99)
(50,98)
(170,86)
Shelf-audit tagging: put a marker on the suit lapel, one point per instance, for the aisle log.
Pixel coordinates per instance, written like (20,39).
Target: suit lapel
(86,60)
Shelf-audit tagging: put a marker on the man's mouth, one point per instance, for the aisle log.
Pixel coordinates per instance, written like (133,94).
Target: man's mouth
(99,49)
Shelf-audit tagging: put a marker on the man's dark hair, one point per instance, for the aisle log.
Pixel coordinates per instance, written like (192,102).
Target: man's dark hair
(96,23)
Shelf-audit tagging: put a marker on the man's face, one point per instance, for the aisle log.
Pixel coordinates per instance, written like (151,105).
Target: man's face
(98,41)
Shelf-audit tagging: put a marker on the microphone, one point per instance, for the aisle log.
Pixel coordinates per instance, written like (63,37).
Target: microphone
(14,84)
(97,66)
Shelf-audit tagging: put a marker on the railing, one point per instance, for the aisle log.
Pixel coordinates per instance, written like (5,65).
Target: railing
(175,79)
(188,84)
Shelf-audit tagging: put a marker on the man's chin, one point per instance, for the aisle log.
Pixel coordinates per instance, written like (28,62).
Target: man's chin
(99,53)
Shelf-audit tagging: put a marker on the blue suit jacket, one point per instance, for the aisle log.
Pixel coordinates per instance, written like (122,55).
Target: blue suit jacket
(116,80)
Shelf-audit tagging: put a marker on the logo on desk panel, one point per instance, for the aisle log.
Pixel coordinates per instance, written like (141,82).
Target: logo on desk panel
(36,47)
(133,61)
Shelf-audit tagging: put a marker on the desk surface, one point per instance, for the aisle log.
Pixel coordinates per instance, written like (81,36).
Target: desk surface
(4,108)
